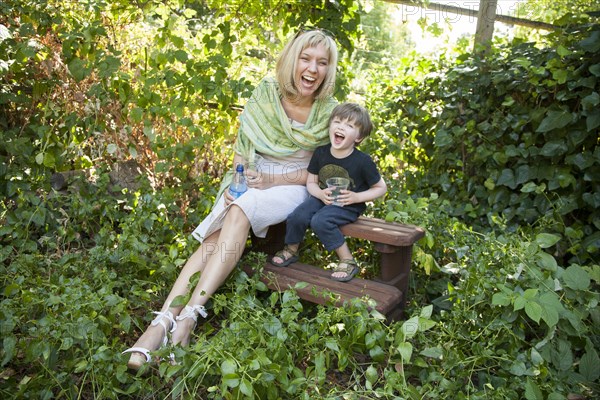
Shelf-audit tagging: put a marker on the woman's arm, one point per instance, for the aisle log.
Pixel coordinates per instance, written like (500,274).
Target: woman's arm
(264,179)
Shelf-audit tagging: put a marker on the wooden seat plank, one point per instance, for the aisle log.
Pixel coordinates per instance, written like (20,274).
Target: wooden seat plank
(276,278)
(380,231)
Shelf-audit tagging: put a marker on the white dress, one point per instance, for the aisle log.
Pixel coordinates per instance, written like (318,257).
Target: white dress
(263,208)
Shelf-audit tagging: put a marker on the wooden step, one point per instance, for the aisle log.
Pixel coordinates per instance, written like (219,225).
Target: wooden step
(386,296)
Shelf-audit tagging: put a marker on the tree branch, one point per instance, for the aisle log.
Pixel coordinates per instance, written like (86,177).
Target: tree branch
(473,14)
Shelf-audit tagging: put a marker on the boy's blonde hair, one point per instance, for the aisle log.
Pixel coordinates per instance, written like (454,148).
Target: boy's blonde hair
(288,60)
(355,113)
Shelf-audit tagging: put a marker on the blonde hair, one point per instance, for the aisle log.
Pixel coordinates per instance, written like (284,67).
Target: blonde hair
(288,60)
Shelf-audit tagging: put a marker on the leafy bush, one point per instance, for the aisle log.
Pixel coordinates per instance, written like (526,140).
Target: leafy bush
(511,321)
(512,139)
(497,309)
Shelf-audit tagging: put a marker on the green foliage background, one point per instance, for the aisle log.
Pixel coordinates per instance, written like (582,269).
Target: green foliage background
(497,158)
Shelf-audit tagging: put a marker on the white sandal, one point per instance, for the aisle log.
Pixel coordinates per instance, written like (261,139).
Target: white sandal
(189,312)
(136,360)
(192,312)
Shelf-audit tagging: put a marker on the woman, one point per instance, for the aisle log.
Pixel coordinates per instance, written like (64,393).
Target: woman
(283,122)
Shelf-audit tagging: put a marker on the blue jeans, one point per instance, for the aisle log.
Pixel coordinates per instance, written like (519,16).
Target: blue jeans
(324,221)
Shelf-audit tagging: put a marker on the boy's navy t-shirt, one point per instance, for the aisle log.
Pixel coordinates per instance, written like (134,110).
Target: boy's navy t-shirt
(358,167)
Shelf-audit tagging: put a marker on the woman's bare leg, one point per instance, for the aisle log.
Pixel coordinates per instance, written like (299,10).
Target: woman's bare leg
(152,338)
(227,252)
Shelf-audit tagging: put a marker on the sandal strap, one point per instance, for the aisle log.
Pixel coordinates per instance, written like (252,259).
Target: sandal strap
(192,312)
(160,320)
(140,350)
(286,250)
(350,264)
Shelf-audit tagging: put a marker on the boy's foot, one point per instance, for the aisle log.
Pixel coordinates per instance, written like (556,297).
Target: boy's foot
(345,270)
(284,257)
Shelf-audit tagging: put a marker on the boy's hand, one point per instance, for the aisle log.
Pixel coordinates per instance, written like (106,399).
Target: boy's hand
(326,196)
(347,197)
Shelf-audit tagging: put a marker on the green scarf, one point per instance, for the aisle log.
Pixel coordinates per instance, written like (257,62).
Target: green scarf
(265,127)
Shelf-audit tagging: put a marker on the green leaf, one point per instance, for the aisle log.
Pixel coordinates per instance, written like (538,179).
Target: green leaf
(518,368)
(507,178)
(560,75)
(576,278)
(427,311)
(519,303)
(432,352)
(591,43)
(562,356)
(273,325)
(529,187)
(179,301)
(425,324)
(589,366)
(555,120)
(136,114)
(405,349)
(372,375)
(332,344)
(9,349)
(590,101)
(555,396)
(592,121)
(562,51)
(551,149)
(78,70)
(500,299)
(533,311)
(532,391)
(410,327)
(546,261)
(229,372)
(545,240)
(246,387)
(377,353)
(551,308)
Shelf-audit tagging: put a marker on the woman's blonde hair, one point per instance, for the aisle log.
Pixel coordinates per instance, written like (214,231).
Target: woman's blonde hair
(288,60)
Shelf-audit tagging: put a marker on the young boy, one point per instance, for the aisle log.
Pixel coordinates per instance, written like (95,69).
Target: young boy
(349,124)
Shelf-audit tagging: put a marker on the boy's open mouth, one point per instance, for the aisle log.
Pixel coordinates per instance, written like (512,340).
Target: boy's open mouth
(338,138)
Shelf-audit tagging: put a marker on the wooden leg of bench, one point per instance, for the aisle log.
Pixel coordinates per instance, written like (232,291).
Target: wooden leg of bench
(395,267)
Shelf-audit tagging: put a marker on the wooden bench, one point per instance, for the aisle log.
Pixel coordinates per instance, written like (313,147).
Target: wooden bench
(393,240)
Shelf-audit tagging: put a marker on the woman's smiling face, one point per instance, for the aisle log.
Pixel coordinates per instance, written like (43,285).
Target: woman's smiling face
(311,69)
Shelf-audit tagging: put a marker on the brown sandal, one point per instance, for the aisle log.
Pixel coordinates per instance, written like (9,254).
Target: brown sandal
(286,260)
(350,269)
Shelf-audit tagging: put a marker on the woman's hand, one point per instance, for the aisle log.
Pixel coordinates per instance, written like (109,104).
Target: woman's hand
(228,197)
(257,180)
